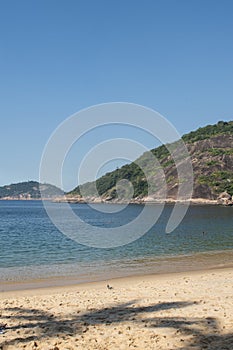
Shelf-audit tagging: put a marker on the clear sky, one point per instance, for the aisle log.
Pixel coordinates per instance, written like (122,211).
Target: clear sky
(57,57)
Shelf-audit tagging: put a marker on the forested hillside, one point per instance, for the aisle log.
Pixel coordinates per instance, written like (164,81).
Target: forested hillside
(211,152)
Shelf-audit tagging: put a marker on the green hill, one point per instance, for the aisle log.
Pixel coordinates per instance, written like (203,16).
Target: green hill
(211,152)
(29,190)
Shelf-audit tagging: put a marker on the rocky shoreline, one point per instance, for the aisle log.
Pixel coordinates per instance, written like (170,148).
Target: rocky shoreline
(223,199)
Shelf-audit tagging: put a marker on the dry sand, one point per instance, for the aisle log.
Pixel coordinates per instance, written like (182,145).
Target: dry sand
(191,310)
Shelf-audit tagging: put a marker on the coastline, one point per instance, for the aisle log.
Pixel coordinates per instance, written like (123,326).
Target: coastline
(75,200)
(146,200)
(170,311)
(165,265)
(41,286)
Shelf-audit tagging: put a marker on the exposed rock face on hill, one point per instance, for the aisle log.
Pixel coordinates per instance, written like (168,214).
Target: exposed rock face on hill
(29,190)
(211,153)
(212,161)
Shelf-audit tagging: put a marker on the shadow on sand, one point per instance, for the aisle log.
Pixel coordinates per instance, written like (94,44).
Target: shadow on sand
(37,324)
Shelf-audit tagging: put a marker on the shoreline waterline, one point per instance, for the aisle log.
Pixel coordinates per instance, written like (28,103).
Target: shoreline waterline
(41,287)
(199,262)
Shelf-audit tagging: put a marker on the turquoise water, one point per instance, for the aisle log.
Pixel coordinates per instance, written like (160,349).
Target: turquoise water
(32,247)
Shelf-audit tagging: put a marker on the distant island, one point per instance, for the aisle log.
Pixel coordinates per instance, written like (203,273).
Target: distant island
(29,190)
(211,153)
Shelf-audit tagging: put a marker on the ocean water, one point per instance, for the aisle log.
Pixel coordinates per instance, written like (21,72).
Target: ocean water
(31,247)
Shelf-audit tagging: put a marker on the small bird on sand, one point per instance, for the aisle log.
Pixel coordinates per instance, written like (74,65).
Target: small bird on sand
(109,287)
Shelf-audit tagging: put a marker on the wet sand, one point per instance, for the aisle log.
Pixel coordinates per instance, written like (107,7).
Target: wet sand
(187,310)
(19,278)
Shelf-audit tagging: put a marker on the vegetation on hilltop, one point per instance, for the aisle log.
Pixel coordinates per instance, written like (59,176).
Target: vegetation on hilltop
(29,190)
(209,131)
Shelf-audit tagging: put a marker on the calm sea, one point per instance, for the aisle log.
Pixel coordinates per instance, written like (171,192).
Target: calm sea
(32,247)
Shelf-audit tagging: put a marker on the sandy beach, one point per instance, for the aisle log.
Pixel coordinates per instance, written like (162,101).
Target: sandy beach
(191,310)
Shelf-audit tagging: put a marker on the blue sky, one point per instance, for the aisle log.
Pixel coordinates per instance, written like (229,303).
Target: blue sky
(57,57)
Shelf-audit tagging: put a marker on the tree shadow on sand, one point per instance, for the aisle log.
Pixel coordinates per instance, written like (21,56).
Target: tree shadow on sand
(35,325)
(204,333)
